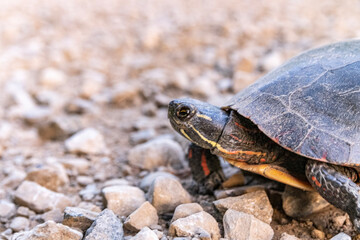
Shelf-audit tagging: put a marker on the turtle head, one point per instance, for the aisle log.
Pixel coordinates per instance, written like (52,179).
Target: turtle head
(199,122)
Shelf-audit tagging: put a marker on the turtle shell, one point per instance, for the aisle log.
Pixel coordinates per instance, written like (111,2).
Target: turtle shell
(311,104)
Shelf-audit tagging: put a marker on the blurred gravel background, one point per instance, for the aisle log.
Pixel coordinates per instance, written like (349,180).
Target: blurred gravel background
(84,86)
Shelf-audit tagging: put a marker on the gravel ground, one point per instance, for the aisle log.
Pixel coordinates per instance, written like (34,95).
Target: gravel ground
(84,88)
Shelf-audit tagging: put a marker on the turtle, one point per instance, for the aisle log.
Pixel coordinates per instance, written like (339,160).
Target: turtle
(299,124)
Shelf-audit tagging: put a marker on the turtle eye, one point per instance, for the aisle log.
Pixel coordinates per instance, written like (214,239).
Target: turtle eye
(183,112)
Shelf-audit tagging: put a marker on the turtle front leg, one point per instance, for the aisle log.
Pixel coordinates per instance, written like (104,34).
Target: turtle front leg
(336,184)
(205,168)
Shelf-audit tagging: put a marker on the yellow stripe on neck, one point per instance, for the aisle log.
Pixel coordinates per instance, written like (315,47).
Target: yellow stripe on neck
(221,149)
(204,116)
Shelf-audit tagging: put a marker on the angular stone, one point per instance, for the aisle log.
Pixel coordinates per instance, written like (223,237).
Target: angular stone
(24,212)
(341,236)
(52,77)
(317,234)
(79,218)
(50,231)
(123,200)
(243,226)
(148,179)
(194,224)
(52,177)
(106,227)
(185,210)
(145,234)
(155,153)
(166,194)
(53,215)
(7,210)
(38,198)
(298,203)
(144,216)
(87,141)
(255,203)
(19,224)
(116,182)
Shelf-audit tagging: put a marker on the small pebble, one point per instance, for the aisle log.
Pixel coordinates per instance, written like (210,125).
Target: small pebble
(79,218)
(148,179)
(285,236)
(165,194)
(123,199)
(19,224)
(315,233)
(88,141)
(7,210)
(145,234)
(341,236)
(144,216)
(186,209)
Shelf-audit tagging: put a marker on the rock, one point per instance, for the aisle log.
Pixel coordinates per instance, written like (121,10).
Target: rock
(87,141)
(155,153)
(52,78)
(123,200)
(36,115)
(89,206)
(194,224)
(59,128)
(92,83)
(24,212)
(285,236)
(84,180)
(106,227)
(317,234)
(50,231)
(125,95)
(271,61)
(79,218)
(223,193)
(165,194)
(298,203)
(142,136)
(255,203)
(116,182)
(240,225)
(89,192)
(19,224)
(53,215)
(185,210)
(14,179)
(53,177)
(341,236)
(38,198)
(145,234)
(148,179)
(79,106)
(144,216)
(203,87)
(7,210)
(77,166)
(339,221)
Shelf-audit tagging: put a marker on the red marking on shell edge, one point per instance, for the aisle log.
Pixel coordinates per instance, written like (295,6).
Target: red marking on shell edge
(323,157)
(190,153)
(313,178)
(262,160)
(246,129)
(204,164)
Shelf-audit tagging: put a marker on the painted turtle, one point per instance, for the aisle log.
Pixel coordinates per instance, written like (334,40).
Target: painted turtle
(299,124)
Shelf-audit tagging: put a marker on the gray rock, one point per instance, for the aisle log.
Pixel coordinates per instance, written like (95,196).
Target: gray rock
(7,210)
(52,177)
(285,236)
(255,203)
(87,141)
(195,224)
(58,128)
(185,210)
(89,192)
(155,153)
(89,206)
(341,236)
(123,200)
(298,203)
(142,136)
(243,226)
(38,198)
(84,180)
(144,216)
(106,227)
(166,194)
(36,115)
(79,218)
(19,224)
(145,234)
(14,179)
(24,212)
(50,231)
(148,179)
